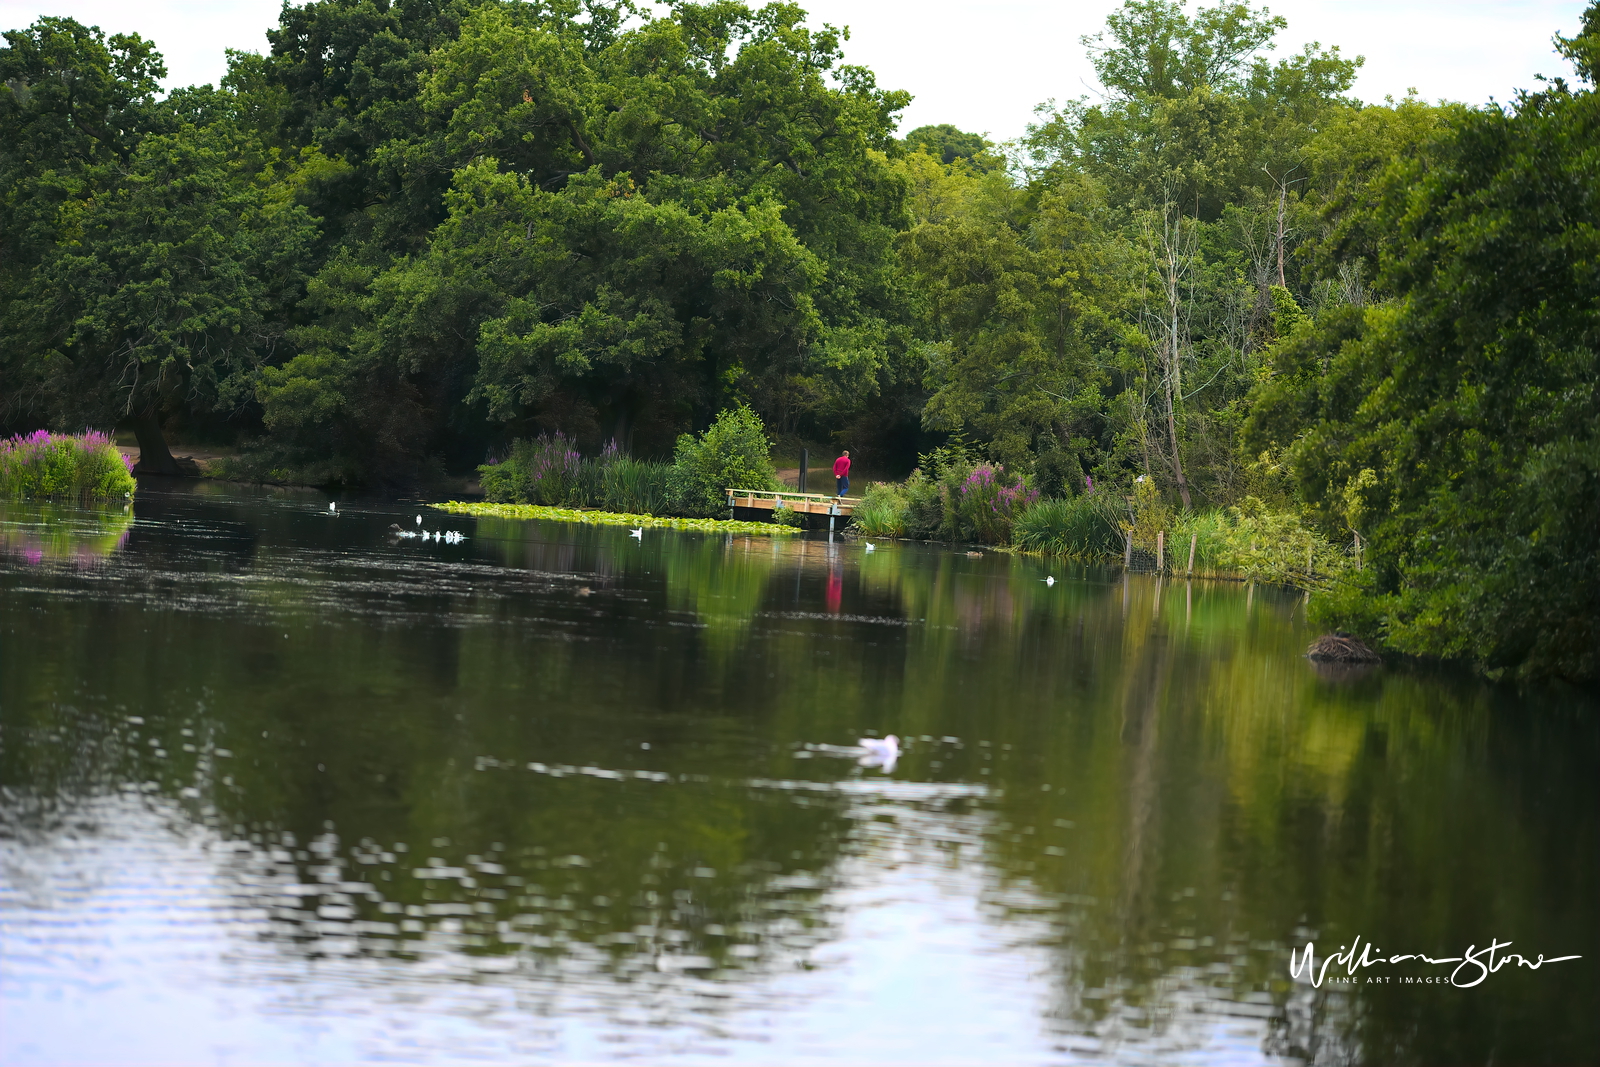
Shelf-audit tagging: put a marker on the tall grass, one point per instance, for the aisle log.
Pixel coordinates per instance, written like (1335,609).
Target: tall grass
(1088,527)
(882,511)
(44,464)
(635,485)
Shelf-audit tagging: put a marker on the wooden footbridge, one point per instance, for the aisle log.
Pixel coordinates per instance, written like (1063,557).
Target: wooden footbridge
(759,504)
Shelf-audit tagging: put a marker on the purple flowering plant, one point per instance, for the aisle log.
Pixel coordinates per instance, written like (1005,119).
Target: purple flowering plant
(45,464)
(990,499)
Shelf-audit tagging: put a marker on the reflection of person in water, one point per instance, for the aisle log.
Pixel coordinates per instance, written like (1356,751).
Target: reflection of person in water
(841,472)
(835,587)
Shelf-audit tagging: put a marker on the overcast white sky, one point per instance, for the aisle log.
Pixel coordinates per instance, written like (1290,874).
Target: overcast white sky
(983,66)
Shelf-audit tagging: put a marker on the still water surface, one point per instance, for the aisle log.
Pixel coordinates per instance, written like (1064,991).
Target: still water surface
(275,787)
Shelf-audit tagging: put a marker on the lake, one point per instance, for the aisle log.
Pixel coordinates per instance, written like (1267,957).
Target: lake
(277,786)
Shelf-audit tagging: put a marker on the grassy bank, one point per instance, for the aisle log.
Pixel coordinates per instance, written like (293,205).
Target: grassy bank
(611,518)
(981,504)
(43,464)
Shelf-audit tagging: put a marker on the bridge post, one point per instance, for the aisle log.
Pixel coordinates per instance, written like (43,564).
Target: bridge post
(805,461)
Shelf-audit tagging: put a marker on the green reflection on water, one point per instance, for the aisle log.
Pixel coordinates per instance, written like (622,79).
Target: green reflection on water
(557,741)
(49,532)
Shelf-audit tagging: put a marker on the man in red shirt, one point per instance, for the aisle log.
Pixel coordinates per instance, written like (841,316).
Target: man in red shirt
(841,472)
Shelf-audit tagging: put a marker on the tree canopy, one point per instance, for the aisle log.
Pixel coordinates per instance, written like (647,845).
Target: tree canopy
(416,231)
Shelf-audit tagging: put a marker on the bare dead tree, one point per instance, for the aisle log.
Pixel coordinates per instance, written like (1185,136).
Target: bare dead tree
(1172,240)
(1282,184)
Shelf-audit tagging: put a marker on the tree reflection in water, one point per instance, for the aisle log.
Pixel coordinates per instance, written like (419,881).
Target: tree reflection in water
(571,771)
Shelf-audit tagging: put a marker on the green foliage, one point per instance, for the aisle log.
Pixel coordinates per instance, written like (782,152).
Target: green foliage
(883,511)
(929,512)
(733,453)
(637,486)
(1149,514)
(1454,428)
(1253,542)
(61,465)
(947,144)
(547,471)
(1086,527)
(784,516)
(1058,473)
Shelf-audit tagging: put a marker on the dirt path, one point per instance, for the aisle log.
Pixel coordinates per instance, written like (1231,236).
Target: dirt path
(818,480)
(203,457)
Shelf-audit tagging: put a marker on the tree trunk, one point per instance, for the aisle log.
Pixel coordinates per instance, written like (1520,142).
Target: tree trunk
(154,456)
(1283,203)
(1177,461)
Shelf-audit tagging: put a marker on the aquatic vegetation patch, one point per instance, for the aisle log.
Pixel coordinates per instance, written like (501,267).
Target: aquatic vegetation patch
(611,518)
(45,464)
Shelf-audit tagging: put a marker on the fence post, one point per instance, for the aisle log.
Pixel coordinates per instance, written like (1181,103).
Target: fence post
(1309,549)
(805,461)
(1161,550)
(1194,539)
(1127,550)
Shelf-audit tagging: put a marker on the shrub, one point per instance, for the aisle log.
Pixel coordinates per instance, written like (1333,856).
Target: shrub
(733,454)
(988,502)
(44,464)
(884,511)
(788,517)
(1083,527)
(925,507)
(1151,515)
(545,471)
(1255,543)
(1057,473)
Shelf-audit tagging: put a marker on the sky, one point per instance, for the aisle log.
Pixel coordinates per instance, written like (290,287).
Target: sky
(985,66)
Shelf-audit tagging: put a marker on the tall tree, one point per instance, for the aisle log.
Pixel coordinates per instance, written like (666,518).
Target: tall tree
(74,106)
(1456,428)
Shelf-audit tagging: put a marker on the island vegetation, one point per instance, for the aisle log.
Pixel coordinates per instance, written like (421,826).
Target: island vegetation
(42,464)
(597,252)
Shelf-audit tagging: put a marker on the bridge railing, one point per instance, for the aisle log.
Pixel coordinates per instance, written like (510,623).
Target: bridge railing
(811,503)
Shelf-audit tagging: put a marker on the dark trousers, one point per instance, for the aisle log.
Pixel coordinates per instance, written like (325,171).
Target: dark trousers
(844,485)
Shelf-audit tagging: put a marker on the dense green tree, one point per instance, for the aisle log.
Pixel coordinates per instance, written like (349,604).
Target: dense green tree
(74,106)
(1456,428)
(1023,293)
(947,144)
(650,219)
(157,244)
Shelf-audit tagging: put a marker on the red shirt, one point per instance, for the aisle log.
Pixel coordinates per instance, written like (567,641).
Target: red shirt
(841,467)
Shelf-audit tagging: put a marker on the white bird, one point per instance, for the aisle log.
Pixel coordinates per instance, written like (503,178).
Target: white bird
(880,753)
(333,509)
(1049,580)
(637,532)
(419,520)
(870,546)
